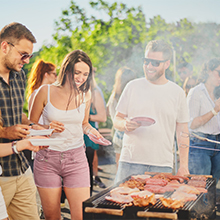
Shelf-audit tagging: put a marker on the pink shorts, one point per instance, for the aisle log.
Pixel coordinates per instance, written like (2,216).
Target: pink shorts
(51,167)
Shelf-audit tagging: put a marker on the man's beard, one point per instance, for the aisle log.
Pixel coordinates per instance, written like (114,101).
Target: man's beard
(10,66)
(155,77)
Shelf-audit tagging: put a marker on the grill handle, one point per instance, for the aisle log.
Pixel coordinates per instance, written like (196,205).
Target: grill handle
(163,215)
(104,211)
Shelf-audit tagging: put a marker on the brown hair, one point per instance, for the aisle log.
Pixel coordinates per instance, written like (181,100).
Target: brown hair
(15,32)
(39,68)
(209,66)
(160,46)
(67,71)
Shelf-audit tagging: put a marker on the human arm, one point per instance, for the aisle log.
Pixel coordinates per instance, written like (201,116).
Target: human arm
(183,145)
(99,105)
(6,148)
(87,128)
(203,119)
(36,110)
(122,123)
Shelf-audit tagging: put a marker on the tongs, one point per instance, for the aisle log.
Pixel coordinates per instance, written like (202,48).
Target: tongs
(205,139)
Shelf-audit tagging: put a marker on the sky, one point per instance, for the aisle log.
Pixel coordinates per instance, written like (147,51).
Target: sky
(40,15)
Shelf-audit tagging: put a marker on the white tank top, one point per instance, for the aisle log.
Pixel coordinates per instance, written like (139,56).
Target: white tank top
(72,120)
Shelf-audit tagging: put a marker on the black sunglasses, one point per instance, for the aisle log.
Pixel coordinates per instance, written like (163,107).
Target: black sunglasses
(24,56)
(154,63)
(218,72)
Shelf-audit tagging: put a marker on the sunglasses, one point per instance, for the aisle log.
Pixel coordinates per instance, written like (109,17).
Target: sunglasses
(154,63)
(24,56)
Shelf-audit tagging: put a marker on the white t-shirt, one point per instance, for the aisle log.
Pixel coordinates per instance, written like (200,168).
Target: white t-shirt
(166,104)
(200,103)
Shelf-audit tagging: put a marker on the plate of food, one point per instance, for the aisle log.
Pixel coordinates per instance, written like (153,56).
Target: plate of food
(101,141)
(144,121)
(34,132)
(46,141)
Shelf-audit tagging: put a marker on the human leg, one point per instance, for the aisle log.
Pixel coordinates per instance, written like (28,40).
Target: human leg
(50,200)
(23,205)
(90,156)
(75,197)
(215,169)
(200,159)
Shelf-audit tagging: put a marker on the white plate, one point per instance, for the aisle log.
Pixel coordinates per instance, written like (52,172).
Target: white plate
(47,141)
(34,132)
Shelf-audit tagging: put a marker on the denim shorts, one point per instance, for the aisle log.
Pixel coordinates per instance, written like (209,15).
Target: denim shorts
(71,166)
(126,169)
(202,161)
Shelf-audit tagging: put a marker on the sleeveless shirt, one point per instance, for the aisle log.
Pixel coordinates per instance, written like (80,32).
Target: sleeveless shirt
(72,120)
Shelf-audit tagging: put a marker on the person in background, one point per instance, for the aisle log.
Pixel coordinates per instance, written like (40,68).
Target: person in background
(122,77)
(97,114)
(189,83)
(42,73)
(16,181)
(150,148)
(204,110)
(65,107)
(184,70)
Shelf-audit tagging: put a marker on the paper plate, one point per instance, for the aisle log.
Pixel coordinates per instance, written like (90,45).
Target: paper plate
(101,141)
(144,121)
(47,141)
(34,132)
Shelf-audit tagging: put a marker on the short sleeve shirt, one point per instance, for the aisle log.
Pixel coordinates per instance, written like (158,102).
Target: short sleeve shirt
(11,106)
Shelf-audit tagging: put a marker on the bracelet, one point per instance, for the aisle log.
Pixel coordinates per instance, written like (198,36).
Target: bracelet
(14,147)
(31,124)
(89,130)
(214,112)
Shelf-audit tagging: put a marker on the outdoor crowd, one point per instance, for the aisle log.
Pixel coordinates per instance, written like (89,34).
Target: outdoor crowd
(72,104)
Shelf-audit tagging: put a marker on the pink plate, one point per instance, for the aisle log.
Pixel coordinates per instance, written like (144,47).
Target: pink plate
(101,141)
(144,121)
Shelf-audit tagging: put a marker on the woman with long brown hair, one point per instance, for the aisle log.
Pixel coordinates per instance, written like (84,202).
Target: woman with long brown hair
(65,106)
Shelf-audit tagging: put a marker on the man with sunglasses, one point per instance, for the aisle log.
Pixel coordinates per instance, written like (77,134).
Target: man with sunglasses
(148,146)
(16,181)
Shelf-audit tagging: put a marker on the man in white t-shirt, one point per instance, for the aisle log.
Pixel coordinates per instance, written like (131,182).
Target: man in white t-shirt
(150,148)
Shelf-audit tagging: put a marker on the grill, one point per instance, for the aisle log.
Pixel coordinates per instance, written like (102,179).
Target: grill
(203,207)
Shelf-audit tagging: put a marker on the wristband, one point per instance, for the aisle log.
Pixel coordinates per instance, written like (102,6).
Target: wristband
(31,124)
(14,147)
(214,112)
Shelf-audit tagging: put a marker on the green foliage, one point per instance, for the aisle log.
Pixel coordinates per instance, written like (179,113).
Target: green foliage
(120,38)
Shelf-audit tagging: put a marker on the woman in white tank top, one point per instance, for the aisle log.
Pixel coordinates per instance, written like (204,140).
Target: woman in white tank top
(65,108)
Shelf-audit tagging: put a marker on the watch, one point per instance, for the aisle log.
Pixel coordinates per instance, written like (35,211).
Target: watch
(14,147)
(31,124)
